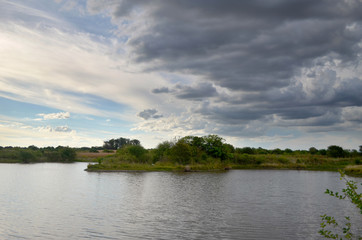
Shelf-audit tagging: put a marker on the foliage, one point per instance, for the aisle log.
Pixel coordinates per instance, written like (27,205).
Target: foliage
(313,150)
(93,150)
(162,151)
(133,153)
(277,151)
(137,151)
(354,170)
(335,151)
(35,154)
(181,152)
(27,156)
(118,143)
(205,152)
(247,150)
(67,154)
(350,192)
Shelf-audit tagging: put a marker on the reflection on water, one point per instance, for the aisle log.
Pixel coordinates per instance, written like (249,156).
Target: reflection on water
(61,201)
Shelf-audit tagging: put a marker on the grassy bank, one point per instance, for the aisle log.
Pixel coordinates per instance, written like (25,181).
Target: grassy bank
(354,170)
(86,156)
(121,162)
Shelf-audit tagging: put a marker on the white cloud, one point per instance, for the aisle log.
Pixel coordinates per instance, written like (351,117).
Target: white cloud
(43,136)
(51,116)
(57,68)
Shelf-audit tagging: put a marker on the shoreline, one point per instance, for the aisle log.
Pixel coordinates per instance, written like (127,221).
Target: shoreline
(181,169)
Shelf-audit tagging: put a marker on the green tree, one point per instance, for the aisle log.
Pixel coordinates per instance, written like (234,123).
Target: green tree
(350,193)
(67,154)
(162,150)
(277,151)
(114,144)
(313,150)
(181,152)
(288,151)
(26,156)
(138,151)
(335,151)
(213,145)
(247,150)
(322,152)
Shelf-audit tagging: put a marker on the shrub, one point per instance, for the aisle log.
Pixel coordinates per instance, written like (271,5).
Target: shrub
(93,150)
(26,156)
(162,150)
(133,153)
(181,153)
(137,151)
(67,154)
(313,150)
(335,151)
(244,159)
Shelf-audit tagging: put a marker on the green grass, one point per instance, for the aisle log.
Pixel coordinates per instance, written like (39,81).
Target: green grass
(354,170)
(133,167)
(262,161)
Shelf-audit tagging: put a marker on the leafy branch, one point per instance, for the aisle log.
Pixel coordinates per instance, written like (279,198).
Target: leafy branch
(350,192)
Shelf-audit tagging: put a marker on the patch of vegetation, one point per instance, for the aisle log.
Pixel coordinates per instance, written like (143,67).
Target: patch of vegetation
(209,153)
(33,154)
(354,170)
(190,153)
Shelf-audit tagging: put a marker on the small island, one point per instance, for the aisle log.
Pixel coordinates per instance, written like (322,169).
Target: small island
(211,153)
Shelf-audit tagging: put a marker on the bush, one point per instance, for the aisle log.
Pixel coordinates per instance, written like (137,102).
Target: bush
(313,150)
(137,151)
(244,159)
(162,150)
(335,151)
(181,153)
(93,150)
(247,150)
(26,156)
(133,153)
(67,154)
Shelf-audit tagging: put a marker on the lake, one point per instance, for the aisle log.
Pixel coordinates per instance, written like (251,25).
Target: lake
(62,201)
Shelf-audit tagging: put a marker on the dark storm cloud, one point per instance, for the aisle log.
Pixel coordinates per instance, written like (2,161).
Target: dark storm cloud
(160,90)
(198,92)
(256,49)
(149,113)
(249,45)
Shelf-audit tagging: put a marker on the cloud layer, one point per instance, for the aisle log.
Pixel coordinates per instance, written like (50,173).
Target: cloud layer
(274,63)
(261,70)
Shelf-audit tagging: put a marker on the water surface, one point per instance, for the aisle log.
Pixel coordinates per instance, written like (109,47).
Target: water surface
(61,201)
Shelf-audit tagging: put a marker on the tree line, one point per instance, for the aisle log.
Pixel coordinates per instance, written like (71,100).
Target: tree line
(182,150)
(195,149)
(35,154)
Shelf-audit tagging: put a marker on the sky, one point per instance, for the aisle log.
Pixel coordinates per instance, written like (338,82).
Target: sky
(259,73)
